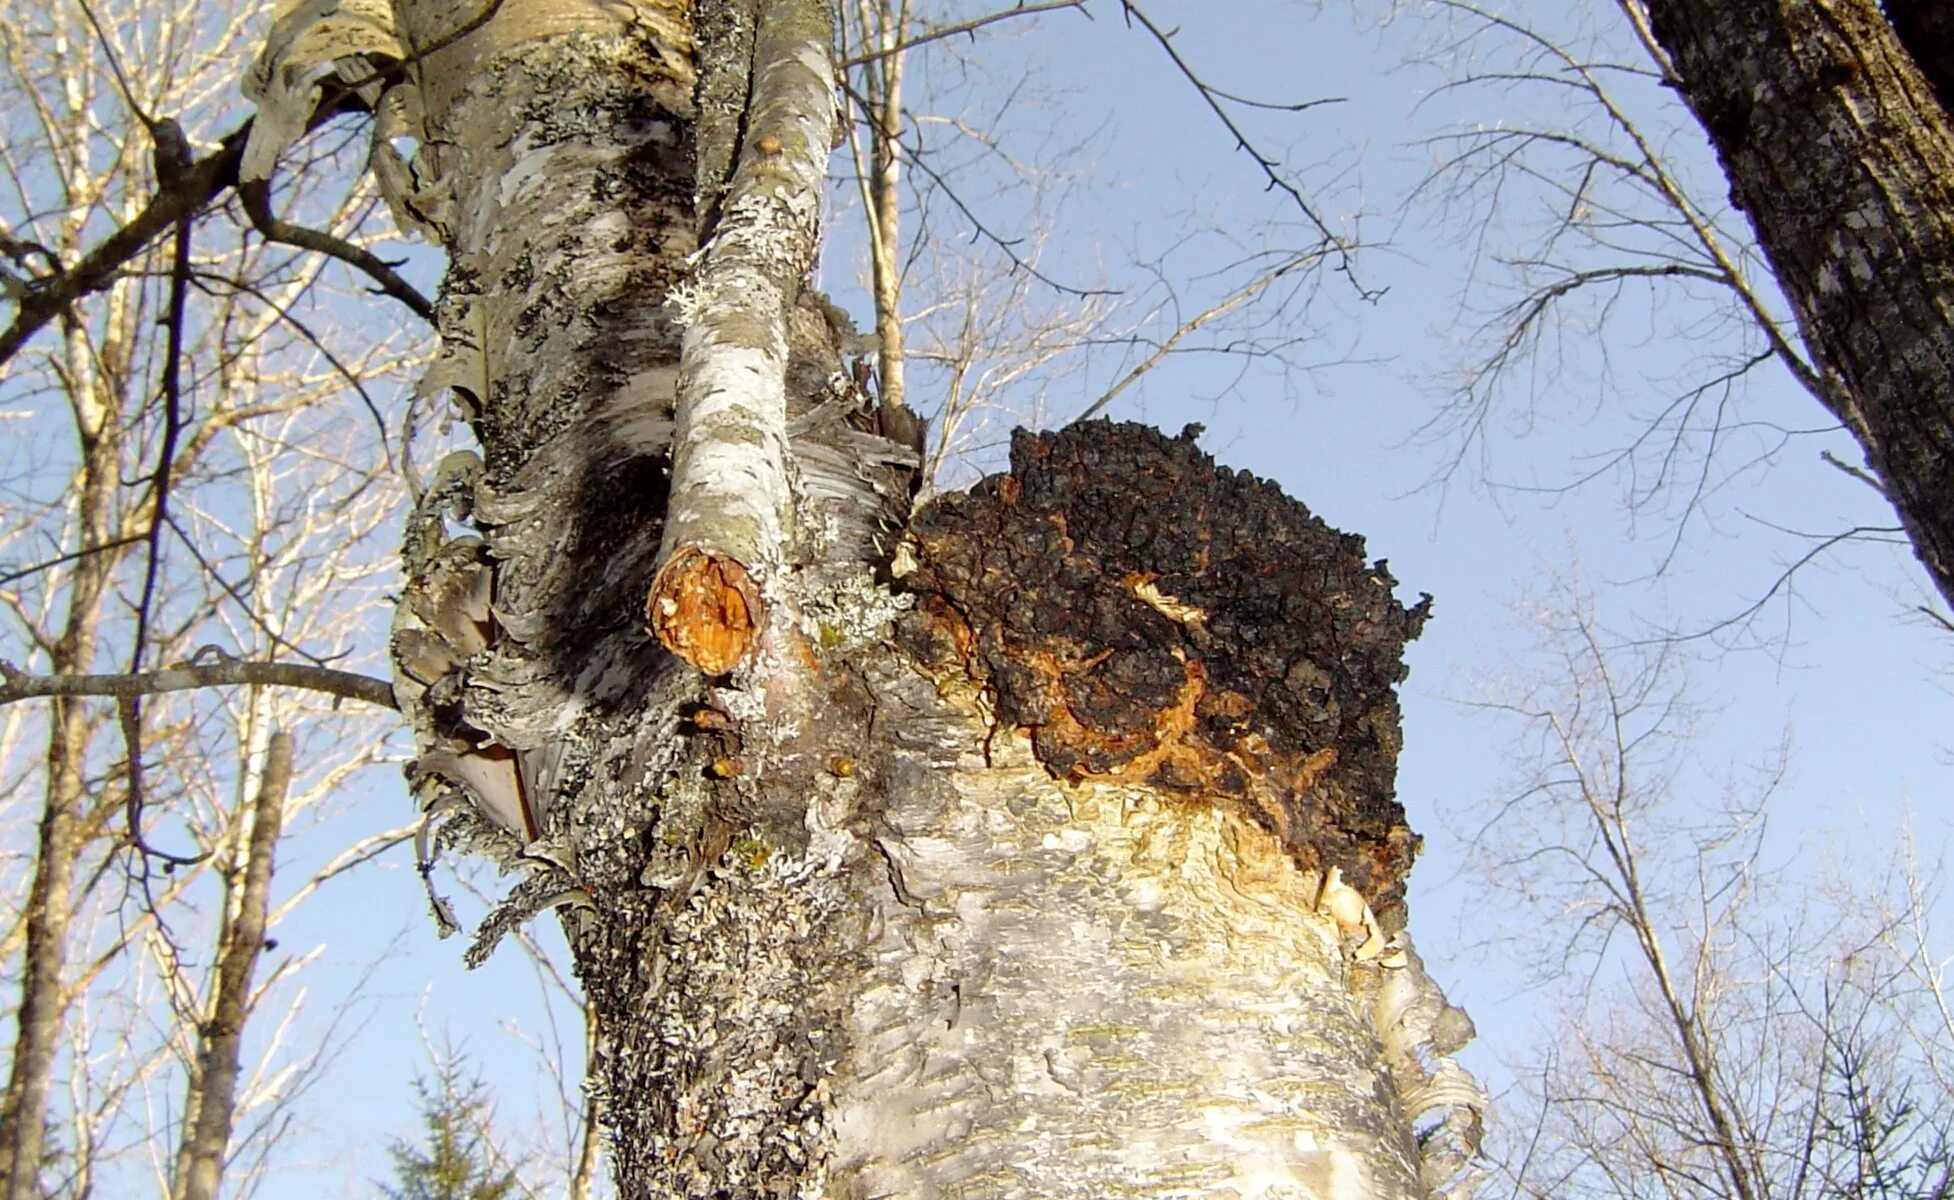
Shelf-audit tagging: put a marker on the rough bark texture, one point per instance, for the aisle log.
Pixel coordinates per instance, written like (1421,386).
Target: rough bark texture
(1093,989)
(845,934)
(906,956)
(1926,29)
(1837,148)
(1155,619)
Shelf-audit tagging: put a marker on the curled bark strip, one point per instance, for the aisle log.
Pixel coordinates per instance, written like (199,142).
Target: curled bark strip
(705,609)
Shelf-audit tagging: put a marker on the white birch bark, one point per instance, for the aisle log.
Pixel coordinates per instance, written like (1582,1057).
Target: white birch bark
(843,938)
(1083,991)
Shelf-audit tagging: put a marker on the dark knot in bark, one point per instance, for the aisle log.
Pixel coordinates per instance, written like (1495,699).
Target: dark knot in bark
(1148,616)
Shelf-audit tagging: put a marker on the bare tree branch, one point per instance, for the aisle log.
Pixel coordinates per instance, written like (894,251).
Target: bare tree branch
(16,685)
(1270,167)
(1166,347)
(45,297)
(1025,9)
(257,205)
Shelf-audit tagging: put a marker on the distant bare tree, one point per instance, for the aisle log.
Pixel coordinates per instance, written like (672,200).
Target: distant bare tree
(188,490)
(1590,230)
(1725,1031)
(960,183)
(1599,222)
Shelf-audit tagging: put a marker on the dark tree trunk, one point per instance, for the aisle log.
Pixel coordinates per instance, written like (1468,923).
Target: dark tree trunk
(1837,148)
(1926,29)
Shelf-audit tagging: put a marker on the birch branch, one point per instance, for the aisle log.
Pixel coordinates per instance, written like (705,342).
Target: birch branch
(206,1140)
(17,685)
(730,503)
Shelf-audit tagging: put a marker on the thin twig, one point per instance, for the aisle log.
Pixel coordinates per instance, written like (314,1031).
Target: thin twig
(115,68)
(130,708)
(970,26)
(980,230)
(1166,347)
(184,195)
(235,593)
(1271,168)
(347,374)
(1860,473)
(257,205)
(71,556)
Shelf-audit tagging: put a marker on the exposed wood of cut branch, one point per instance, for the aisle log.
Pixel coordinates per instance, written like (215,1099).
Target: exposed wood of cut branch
(726,527)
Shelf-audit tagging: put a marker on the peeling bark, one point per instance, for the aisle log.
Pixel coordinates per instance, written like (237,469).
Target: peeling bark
(1838,150)
(851,921)
(908,956)
(1084,990)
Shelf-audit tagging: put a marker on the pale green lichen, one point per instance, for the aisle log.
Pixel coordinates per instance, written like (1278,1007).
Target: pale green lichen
(851,610)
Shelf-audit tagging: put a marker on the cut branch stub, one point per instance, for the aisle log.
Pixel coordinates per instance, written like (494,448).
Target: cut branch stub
(730,485)
(704,608)
(1149,617)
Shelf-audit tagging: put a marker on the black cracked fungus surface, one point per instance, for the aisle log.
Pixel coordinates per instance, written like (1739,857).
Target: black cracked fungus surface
(1151,616)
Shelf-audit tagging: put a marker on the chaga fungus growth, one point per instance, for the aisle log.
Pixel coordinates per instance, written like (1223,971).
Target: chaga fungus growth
(1149,616)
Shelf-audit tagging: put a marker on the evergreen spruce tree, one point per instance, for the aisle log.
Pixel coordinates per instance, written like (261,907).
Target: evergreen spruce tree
(454,1160)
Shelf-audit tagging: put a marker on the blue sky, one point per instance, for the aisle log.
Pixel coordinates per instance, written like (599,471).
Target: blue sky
(1838,664)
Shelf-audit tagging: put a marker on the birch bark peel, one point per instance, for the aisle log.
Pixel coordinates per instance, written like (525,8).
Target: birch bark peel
(731,499)
(1090,990)
(1116,954)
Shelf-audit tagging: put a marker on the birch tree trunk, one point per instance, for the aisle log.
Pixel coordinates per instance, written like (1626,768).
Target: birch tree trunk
(1825,117)
(1044,846)
(220,1036)
(50,897)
